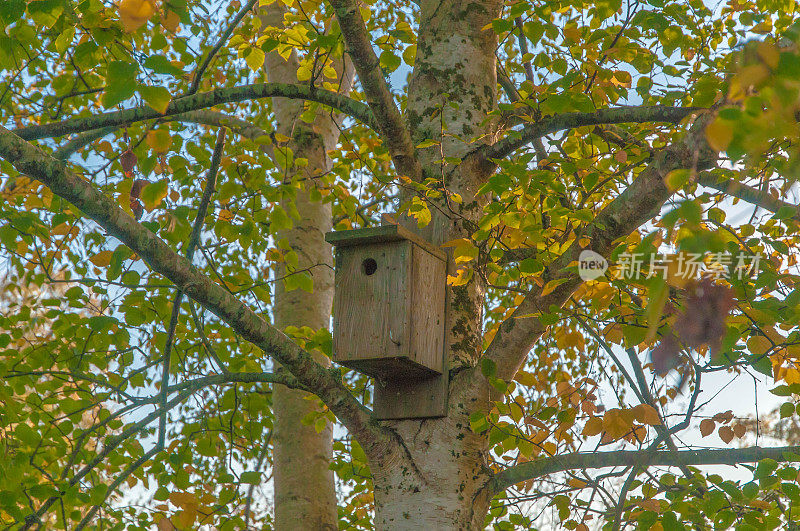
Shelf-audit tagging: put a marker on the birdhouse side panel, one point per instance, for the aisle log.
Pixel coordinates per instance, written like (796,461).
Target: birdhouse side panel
(429,280)
(371,303)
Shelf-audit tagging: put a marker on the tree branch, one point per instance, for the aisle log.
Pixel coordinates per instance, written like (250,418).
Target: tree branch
(326,383)
(560,122)
(202,116)
(595,460)
(749,194)
(198,76)
(202,100)
(194,240)
(634,206)
(389,122)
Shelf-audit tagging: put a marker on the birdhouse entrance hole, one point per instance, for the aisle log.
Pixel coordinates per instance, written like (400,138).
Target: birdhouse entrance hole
(369,266)
(389,318)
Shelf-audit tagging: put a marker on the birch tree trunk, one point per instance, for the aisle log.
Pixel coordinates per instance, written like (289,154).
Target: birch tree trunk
(305,495)
(440,482)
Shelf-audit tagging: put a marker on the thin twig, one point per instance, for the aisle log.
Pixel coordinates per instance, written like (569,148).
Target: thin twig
(220,43)
(194,239)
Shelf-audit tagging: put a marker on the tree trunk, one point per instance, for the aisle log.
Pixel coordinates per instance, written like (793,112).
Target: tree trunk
(440,482)
(305,495)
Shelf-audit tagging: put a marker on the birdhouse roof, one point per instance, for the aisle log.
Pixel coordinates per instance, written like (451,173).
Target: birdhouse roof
(384,233)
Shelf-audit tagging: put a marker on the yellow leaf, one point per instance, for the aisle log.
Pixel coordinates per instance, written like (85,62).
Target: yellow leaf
(762,28)
(550,286)
(101,259)
(255,59)
(752,75)
(225,215)
(462,277)
(759,345)
(768,53)
(719,135)
(159,140)
(134,13)
(464,252)
(525,378)
(647,414)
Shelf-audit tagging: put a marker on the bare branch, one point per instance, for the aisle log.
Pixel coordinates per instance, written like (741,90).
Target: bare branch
(198,76)
(202,116)
(194,240)
(560,122)
(749,194)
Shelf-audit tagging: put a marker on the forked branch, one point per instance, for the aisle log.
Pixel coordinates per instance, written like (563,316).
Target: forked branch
(634,206)
(389,122)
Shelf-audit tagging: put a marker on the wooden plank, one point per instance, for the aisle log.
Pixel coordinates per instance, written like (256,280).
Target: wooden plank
(411,399)
(371,311)
(384,233)
(428,284)
(399,399)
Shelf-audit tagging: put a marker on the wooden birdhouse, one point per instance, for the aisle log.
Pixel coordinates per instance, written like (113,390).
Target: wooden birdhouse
(389,317)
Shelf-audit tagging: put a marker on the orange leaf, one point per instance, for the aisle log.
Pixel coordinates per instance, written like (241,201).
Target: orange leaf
(726,434)
(707,427)
(647,415)
(615,424)
(592,427)
(101,259)
(576,483)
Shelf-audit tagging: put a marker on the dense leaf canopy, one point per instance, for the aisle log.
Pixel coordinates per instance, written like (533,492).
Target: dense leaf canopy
(136,389)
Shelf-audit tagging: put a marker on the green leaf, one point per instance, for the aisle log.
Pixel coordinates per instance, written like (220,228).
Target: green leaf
(253,478)
(156,97)
(153,194)
(101,322)
(389,61)
(161,65)
(301,280)
(120,82)
(11,11)
(410,54)
(278,220)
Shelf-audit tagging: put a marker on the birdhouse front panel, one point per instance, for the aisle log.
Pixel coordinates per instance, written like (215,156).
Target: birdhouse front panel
(389,304)
(371,307)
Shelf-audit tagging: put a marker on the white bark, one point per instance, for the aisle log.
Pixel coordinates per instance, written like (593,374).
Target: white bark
(305,496)
(440,484)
